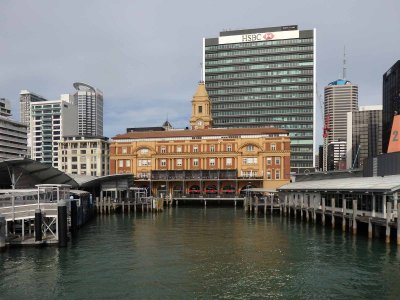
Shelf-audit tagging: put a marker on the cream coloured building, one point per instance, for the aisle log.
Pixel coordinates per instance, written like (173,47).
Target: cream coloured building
(84,155)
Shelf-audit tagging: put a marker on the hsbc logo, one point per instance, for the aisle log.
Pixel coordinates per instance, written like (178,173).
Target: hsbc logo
(259,37)
(255,37)
(268,36)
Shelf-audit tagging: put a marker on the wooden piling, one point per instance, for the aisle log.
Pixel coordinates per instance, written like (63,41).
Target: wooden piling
(97,204)
(3,223)
(38,225)
(388,217)
(344,215)
(123,206)
(314,211)
(285,205)
(265,206)
(354,217)
(62,225)
(272,204)
(369,228)
(301,206)
(333,204)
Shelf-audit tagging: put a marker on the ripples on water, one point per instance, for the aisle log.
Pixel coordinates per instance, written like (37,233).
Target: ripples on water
(199,253)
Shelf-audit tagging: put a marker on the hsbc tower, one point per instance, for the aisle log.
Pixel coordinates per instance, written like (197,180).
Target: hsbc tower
(265,77)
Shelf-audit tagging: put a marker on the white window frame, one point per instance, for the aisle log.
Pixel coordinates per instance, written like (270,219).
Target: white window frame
(212,162)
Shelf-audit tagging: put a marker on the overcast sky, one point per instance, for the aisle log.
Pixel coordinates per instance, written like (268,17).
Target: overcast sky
(145,55)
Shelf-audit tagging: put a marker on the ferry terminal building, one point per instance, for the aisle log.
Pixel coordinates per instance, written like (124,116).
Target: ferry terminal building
(203,161)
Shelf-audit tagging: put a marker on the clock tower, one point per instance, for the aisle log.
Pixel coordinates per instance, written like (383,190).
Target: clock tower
(201,109)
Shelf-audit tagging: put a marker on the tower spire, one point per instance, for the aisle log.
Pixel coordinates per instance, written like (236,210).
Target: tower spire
(201,72)
(344,62)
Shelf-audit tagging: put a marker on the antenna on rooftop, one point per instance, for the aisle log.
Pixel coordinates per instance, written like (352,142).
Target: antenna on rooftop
(344,62)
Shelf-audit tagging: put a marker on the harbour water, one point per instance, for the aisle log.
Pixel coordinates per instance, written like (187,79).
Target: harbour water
(203,253)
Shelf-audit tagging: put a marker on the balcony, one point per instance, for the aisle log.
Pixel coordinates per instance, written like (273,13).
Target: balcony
(194,175)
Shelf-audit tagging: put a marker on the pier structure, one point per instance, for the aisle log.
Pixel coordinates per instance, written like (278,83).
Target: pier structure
(347,203)
(45,215)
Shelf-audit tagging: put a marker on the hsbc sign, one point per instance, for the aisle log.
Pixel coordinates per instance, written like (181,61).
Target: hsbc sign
(259,37)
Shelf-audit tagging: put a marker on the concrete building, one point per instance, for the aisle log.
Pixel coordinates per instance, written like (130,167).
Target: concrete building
(391,102)
(13,135)
(84,155)
(203,160)
(364,135)
(341,97)
(265,77)
(25,99)
(90,109)
(5,107)
(50,121)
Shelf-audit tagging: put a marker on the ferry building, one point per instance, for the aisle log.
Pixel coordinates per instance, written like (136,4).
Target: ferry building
(202,160)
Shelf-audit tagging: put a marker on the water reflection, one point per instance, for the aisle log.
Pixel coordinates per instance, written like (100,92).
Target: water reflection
(204,253)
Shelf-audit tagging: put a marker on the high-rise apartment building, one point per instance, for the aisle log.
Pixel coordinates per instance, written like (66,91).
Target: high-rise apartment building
(13,135)
(341,97)
(391,102)
(90,109)
(84,155)
(25,99)
(5,107)
(364,135)
(265,77)
(50,121)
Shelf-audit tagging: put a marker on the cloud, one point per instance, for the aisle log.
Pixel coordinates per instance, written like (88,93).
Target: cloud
(145,55)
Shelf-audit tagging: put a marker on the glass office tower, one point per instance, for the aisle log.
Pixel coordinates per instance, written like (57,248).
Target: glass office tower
(265,77)
(391,102)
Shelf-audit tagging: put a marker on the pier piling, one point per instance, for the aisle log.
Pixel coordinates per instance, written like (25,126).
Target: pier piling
(344,215)
(369,228)
(323,211)
(333,213)
(354,217)
(38,225)
(388,217)
(62,224)
(74,218)
(2,232)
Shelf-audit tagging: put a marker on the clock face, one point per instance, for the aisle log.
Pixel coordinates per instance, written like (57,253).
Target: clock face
(200,122)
